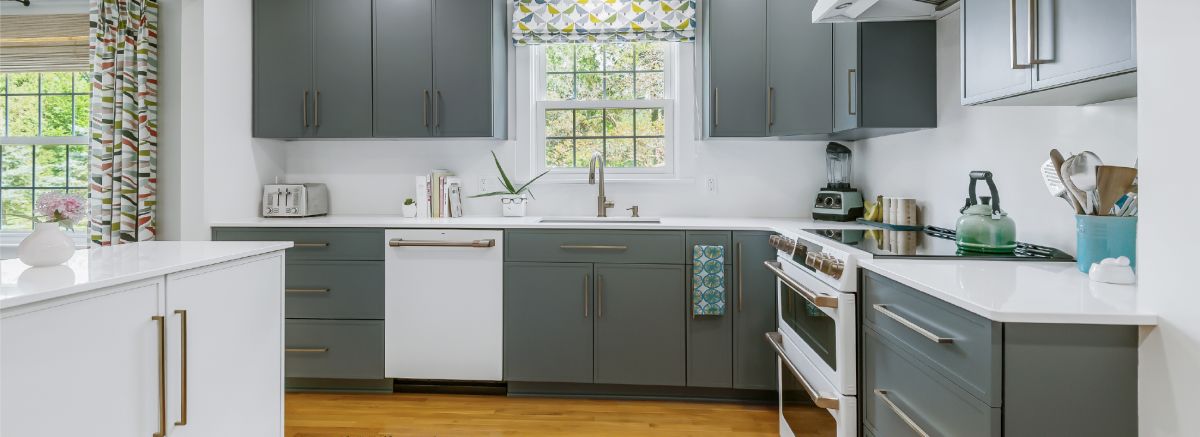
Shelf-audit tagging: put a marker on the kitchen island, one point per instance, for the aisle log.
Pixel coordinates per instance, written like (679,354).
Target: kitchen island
(154,338)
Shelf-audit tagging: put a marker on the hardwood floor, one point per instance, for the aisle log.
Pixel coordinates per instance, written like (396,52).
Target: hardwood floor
(406,414)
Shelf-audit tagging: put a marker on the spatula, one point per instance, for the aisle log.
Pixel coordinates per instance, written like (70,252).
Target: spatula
(1112,182)
(1054,183)
(1068,192)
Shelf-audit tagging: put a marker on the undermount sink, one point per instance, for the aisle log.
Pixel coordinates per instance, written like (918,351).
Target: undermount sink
(600,220)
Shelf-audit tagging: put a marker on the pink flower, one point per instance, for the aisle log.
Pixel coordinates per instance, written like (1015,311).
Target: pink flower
(60,208)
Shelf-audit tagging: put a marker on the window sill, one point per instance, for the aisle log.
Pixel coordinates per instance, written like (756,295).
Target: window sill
(617,179)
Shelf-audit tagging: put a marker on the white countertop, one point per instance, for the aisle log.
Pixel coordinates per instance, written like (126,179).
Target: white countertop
(393,221)
(91,269)
(1019,292)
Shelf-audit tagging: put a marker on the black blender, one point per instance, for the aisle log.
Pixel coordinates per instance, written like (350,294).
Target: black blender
(838,201)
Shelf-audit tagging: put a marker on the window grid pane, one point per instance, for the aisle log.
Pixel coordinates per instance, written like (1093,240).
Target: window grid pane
(47,104)
(621,148)
(593,79)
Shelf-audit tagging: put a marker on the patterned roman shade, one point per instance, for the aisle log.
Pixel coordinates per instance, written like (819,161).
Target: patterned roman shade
(43,43)
(559,21)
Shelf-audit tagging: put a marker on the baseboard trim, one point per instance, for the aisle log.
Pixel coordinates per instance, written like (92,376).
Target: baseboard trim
(616,391)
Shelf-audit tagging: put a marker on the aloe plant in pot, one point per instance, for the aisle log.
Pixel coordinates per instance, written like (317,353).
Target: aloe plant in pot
(513,199)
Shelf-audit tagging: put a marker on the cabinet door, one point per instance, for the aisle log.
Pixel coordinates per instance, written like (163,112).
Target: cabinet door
(342,66)
(1083,39)
(89,367)
(283,80)
(800,80)
(736,63)
(462,67)
(710,339)
(230,316)
(403,68)
(548,312)
(845,76)
(988,50)
(754,296)
(639,336)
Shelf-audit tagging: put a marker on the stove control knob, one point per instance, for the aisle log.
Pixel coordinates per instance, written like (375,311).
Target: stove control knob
(837,269)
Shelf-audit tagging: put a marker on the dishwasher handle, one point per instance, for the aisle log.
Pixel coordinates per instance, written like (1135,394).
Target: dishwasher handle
(400,242)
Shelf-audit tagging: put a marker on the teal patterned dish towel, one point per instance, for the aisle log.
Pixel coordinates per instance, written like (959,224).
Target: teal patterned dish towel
(708,280)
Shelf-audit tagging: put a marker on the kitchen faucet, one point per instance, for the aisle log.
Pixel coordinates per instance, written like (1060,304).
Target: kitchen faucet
(602,203)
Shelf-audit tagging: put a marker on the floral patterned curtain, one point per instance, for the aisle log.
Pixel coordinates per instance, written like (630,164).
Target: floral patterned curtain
(124,127)
(559,21)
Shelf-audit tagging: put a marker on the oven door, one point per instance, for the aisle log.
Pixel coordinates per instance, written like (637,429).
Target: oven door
(821,320)
(803,393)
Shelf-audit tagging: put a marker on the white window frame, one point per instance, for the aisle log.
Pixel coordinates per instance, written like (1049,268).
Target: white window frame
(669,170)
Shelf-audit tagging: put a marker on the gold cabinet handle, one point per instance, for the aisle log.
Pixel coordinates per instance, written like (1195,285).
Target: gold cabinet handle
(883,396)
(883,309)
(1012,36)
(737,265)
(300,245)
(304,108)
(437,116)
(812,297)
(183,370)
(306,290)
(850,109)
(776,341)
(770,106)
(599,296)
(317,110)
(425,108)
(592,247)
(484,243)
(162,375)
(307,350)
(716,107)
(587,295)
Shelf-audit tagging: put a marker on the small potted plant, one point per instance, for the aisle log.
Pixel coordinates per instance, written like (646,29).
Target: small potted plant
(513,199)
(409,209)
(48,245)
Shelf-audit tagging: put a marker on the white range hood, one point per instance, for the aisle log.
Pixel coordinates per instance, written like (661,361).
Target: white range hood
(842,11)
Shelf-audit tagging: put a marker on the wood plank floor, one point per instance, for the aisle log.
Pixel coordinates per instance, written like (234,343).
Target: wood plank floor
(406,414)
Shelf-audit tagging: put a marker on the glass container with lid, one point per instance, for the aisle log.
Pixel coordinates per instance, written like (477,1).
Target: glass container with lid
(837,167)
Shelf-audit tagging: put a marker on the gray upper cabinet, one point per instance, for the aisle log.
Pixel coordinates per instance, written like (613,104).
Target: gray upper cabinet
(403,60)
(468,63)
(736,62)
(342,66)
(1080,51)
(886,78)
(639,328)
(799,77)
(283,80)
(753,301)
(548,313)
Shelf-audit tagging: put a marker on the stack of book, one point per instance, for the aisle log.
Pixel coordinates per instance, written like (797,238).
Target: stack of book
(439,194)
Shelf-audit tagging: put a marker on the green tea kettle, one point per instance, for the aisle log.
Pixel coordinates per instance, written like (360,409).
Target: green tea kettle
(983,227)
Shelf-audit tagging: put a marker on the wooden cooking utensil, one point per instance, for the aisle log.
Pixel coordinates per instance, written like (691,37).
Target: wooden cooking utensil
(1057,158)
(1113,182)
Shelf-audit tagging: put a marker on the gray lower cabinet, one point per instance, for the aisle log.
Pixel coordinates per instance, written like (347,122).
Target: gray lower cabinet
(709,338)
(638,335)
(735,65)
(312,68)
(548,313)
(1079,53)
(984,378)
(340,349)
(885,78)
(799,73)
(754,311)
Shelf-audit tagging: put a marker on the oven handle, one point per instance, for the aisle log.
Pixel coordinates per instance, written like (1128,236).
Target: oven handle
(776,342)
(816,299)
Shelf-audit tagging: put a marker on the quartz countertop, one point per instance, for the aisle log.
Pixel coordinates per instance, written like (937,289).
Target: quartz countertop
(91,269)
(1019,292)
(393,221)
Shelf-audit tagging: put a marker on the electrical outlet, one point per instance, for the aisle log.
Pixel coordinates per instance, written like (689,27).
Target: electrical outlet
(710,184)
(483,185)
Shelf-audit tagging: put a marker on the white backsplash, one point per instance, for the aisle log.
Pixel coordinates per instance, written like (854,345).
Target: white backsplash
(1010,141)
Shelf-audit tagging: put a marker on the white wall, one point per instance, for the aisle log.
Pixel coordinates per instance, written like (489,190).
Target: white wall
(1012,142)
(768,178)
(1169,366)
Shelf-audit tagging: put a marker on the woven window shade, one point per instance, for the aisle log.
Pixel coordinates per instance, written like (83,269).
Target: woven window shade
(44,43)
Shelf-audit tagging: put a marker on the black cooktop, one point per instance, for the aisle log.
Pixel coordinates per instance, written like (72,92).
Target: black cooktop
(931,242)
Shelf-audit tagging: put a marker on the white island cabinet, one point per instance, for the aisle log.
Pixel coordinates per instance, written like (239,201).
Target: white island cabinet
(147,339)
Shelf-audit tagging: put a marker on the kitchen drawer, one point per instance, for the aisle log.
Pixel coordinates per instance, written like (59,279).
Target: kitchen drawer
(334,290)
(315,243)
(614,247)
(708,238)
(897,385)
(350,349)
(969,353)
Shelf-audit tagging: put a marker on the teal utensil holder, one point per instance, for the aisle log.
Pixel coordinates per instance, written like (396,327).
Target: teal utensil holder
(1100,237)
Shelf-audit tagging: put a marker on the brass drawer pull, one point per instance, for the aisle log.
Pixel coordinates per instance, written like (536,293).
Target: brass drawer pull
(307,350)
(587,295)
(306,290)
(737,265)
(883,309)
(485,243)
(883,395)
(776,342)
(592,247)
(162,375)
(820,300)
(300,245)
(183,370)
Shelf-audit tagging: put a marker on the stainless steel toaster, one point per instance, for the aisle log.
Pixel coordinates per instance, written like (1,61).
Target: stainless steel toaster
(295,200)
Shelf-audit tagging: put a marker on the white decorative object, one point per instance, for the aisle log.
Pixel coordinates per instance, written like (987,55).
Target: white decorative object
(47,246)
(1112,271)
(513,205)
(409,210)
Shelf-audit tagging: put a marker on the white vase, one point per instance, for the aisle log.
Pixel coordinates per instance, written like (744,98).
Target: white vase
(513,205)
(409,211)
(47,246)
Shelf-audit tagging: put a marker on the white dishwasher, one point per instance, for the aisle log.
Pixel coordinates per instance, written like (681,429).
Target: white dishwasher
(443,304)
